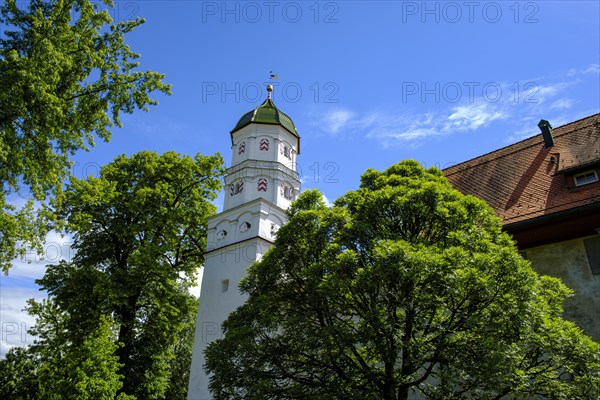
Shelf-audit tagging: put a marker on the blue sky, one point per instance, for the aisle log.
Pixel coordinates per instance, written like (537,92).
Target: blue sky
(367,83)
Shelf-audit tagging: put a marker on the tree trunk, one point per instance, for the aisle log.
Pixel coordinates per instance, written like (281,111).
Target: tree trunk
(403,392)
(407,367)
(126,315)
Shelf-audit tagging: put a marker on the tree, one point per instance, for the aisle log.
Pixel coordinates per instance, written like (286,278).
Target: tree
(17,376)
(139,232)
(55,367)
(66,74)
(179,367)
(403,286)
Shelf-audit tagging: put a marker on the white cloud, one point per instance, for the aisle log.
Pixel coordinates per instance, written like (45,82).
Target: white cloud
(515,104)
(4,348)
(14,322)
(528,126)
(32,265)
(473,116)
(591,69)
(336,120)
(560,104)
(19,286)
(541,93)
(406,127)
(390,129)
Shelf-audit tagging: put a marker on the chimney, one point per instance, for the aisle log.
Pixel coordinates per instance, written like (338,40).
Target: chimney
(546,129)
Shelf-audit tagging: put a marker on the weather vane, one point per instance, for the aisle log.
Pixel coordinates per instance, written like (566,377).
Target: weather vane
(272,76)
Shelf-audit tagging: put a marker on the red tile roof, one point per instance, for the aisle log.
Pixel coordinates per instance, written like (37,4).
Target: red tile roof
(526,180)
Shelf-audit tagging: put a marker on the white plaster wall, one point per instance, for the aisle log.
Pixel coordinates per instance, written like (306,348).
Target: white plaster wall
(228,256)
(251,176)
(568,261)
(227,263)
(228,259)
(251,135)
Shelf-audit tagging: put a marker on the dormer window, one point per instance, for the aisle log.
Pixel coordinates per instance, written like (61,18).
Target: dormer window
(585,178)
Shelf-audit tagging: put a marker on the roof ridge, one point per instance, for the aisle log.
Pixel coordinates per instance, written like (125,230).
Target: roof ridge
(531,138)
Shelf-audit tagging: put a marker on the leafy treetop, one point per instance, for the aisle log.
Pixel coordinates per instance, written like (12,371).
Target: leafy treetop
(66,74)
(403,286)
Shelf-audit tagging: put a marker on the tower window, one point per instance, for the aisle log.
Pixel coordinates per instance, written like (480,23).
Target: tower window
(245,226)
(221,235)
(224,285)
(286,191)
(285,150)
(242,148)
(585,178)
(236,188)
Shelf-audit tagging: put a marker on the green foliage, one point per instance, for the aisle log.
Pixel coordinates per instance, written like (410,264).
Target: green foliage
(55,367)
(17,375)
(66,74)
(403,286)
(139,232)
(181,360)
(119,322)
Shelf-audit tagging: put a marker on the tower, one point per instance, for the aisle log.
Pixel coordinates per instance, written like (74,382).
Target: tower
(260,184)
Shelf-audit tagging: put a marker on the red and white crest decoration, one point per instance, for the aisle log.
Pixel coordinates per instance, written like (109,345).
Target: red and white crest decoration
(264,145)
(242,148)
(281,146)
(282,189)
(262,185)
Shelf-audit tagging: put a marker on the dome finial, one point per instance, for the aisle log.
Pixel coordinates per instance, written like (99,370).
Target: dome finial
(269,90)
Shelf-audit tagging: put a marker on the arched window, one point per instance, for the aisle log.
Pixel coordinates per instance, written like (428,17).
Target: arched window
(245,226)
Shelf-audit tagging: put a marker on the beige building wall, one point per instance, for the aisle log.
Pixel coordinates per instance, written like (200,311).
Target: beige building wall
(568,261)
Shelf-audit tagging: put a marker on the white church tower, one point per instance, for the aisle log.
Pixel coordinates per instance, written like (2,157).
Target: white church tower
(261,183)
